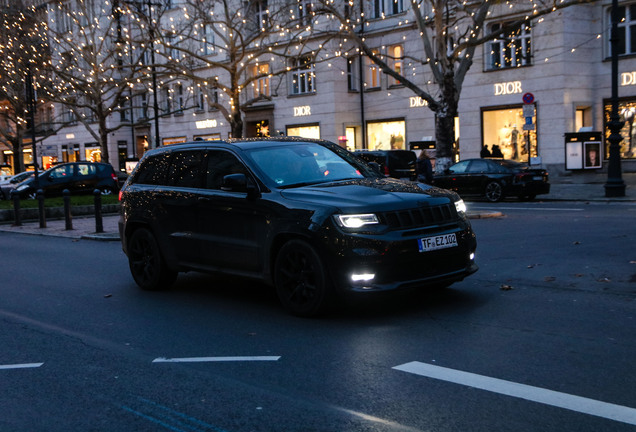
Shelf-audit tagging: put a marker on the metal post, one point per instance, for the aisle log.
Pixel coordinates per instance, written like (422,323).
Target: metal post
(16,208)
(67,209)
(615,186)
(99,224)
(41,213)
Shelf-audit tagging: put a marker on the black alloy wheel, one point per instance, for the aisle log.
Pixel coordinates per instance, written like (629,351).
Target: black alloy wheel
(493,191)
(147,266)
(302,283)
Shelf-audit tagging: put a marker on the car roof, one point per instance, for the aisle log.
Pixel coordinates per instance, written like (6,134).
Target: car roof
(241,143)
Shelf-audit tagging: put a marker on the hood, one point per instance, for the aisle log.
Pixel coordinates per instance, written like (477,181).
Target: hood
(372,194)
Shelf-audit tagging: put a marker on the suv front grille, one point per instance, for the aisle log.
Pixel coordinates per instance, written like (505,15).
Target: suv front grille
(421,216)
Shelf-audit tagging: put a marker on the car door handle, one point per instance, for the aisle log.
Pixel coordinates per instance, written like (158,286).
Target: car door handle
(204,199)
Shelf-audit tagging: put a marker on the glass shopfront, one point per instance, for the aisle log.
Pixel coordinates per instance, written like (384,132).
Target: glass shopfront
(627,112)
(93,152)
(506,129)
(306,131)
(386,135)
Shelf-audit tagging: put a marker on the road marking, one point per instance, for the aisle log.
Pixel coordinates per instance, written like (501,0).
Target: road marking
(529,208)
(21,366)
(214,359)
(536,394)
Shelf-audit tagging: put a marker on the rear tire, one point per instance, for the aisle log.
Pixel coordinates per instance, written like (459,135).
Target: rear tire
(302,283)
(146,263)
(493,191)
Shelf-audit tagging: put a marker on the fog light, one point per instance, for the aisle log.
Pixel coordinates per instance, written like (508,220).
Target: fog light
(364,277)
(472,256)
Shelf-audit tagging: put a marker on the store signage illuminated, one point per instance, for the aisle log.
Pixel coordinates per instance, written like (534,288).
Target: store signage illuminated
(507,88)
(628,78)
(204,124)
(416,102)
(302,111)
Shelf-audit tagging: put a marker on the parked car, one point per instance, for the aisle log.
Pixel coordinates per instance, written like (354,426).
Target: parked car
(77,177)
(399,164)
(494,179)
(9,184)
(305,216)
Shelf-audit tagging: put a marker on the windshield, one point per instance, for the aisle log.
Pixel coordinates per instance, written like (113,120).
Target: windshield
(308,163)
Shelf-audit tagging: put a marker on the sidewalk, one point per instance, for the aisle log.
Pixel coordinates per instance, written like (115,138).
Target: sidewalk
(84,227)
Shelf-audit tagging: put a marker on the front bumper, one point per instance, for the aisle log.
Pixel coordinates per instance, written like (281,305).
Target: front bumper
(396,263)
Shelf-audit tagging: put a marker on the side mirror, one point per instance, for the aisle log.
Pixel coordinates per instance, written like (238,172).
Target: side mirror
(239,183)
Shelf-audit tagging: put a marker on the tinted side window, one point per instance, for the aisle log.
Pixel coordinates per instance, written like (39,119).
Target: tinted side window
(478,166)
(220,164)
(153,170)
(85,170)
(186,169)
(64,171)
(459,167)
(402,159)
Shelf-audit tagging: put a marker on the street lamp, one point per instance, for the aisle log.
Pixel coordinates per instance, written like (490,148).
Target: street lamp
(615,186)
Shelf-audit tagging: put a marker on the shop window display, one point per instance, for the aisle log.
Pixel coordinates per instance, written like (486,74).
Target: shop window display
(627,112)
(386,135)
(504,128)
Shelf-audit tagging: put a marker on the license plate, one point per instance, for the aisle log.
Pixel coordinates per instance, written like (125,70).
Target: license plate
(437,242)
(538,178)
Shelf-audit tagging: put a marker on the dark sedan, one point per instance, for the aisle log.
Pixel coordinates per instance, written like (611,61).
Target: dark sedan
(305,216)
(494,179)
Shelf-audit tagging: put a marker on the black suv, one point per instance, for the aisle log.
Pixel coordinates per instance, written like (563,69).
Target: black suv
(77,177)
(399,164)
(304,215)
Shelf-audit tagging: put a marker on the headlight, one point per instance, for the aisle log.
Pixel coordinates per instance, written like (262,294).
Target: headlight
(356,221)
(22,187)
(460,206)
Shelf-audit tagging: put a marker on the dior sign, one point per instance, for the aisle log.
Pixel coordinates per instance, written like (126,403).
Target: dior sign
(507,88)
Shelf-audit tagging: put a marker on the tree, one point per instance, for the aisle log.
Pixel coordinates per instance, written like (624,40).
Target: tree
(22,57)
(97,61)
(232,51)
(449,32)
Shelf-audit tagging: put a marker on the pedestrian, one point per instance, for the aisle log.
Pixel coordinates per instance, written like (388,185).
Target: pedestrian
(496,151)
(485,153)
(424,168)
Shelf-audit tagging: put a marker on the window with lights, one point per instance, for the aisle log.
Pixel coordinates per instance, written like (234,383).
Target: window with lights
(626,29)
(303,76)
(382,8)
(513,48)
(396,60)
(261,82)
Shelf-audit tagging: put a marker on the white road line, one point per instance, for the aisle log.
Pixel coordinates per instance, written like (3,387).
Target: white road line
(528,208)
(214,359)
(21,366)
(535,394)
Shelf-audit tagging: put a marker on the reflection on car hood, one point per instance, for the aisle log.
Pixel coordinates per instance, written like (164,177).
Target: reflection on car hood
(370,193)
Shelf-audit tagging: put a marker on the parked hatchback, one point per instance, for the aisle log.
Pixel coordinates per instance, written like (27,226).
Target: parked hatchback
(303,215)
(494,179)
(399,164)
(77,177)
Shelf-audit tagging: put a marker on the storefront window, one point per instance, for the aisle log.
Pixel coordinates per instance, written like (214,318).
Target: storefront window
(93,153)
(503,129)
(627,112)
(387,135)
(312,131)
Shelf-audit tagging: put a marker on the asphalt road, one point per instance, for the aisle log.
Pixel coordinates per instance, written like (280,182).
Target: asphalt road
(542,338)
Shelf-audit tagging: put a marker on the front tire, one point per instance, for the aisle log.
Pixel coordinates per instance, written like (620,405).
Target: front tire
(147,266)
(493,191)
(302,283)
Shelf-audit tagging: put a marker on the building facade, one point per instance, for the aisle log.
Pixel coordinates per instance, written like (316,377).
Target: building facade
(526,93)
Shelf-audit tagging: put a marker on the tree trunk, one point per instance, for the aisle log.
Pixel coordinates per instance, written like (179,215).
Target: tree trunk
(445,141)
(103,138)
(18,156)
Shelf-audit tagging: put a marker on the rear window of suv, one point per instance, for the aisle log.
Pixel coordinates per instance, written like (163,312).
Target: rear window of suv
(154,170)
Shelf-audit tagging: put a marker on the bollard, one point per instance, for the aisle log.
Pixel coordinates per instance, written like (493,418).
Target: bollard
(16,208)
(99,224)
(67,209)
(40,196)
